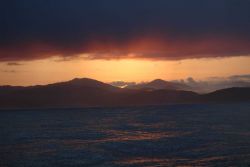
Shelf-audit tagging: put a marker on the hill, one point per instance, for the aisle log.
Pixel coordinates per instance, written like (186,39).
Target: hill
(158,84)
(89,93)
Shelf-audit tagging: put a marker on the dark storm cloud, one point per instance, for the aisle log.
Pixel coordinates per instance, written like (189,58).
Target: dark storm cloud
(33,29)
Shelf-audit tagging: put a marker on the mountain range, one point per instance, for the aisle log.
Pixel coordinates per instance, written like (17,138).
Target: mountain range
(92,93)
(160,84)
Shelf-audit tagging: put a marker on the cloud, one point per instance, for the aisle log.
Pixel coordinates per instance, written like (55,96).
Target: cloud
(240,77)
(111,29)
(9,71)
(200,86)
(216,83)
(122,83)
(14,64)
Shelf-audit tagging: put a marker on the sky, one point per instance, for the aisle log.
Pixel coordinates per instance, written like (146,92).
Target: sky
(46,41)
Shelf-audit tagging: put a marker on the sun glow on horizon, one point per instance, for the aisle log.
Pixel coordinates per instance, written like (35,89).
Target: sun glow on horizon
(136,70)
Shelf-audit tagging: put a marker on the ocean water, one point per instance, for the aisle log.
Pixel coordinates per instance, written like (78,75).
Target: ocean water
(174,135)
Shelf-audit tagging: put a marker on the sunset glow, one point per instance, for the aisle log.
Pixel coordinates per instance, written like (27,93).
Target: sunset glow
(138,70)
(44,42)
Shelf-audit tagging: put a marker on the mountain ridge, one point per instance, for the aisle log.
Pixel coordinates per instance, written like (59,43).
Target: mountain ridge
(85,92)
(160,84)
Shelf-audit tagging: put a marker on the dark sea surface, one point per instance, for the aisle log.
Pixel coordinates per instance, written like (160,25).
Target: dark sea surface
(174,135)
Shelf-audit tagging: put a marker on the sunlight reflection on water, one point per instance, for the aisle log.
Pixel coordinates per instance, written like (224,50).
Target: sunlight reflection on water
(180,135)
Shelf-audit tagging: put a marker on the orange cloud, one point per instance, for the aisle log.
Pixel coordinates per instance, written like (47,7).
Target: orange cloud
(150,47)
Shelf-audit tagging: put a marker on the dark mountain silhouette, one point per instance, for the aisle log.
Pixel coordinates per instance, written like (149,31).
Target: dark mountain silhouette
(239,94)
(74,93)
(158,84)
(87,92)
(155,97)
